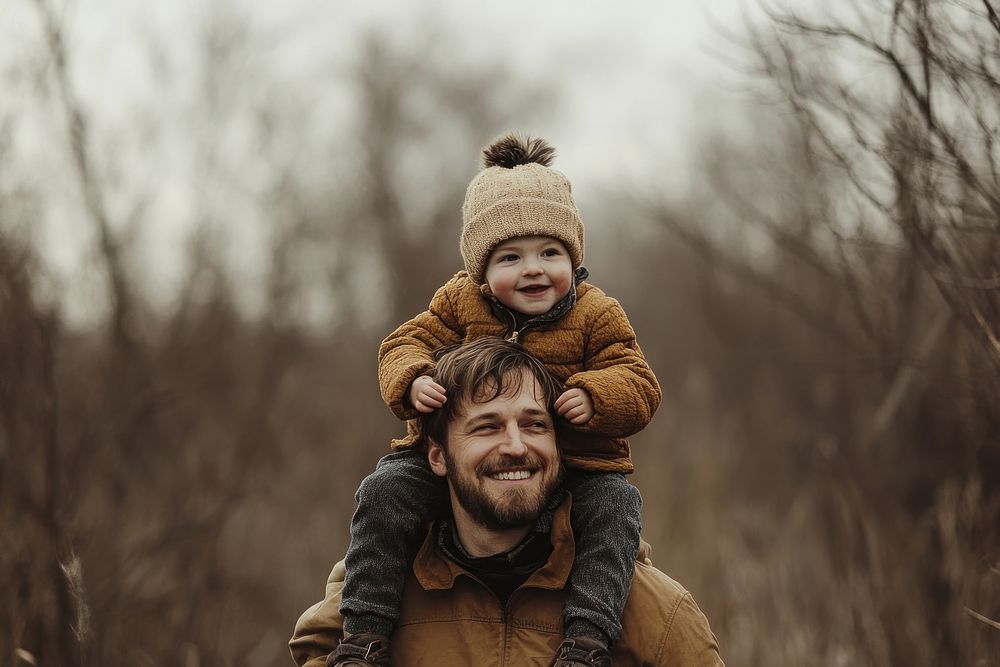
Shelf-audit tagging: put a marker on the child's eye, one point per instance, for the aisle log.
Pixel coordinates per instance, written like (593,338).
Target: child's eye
(509,257)
(551,252)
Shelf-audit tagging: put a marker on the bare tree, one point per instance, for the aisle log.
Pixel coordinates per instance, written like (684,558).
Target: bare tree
(879,216)
(175,480)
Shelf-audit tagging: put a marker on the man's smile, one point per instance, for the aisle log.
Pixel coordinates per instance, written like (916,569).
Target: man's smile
(508,469)
(512,475)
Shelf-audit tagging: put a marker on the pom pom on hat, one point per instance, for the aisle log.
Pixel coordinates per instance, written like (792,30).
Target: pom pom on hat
(516,149)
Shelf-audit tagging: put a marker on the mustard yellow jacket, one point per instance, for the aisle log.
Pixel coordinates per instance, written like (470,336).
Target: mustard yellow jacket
(450,619)
(592,347)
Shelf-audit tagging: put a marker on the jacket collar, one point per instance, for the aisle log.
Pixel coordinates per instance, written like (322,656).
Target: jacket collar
(435,571)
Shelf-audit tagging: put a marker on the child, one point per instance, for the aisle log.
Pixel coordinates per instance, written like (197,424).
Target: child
(522,242)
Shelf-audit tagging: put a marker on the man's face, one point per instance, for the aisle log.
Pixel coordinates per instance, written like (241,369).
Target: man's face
(501,458)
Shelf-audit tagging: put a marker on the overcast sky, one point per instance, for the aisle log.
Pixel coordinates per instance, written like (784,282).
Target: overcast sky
(640,79)
(637,71)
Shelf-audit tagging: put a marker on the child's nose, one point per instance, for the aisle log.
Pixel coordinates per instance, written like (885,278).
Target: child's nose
(532,267)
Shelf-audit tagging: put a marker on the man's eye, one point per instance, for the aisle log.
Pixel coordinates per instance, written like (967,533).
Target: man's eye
(538,425)
(484,428)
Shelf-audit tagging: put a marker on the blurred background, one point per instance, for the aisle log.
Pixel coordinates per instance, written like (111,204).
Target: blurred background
(212,213)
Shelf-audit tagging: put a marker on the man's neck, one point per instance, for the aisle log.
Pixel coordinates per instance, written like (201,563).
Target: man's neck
(503,572)
(480,541)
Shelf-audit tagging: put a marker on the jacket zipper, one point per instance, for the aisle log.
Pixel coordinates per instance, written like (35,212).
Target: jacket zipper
(515,334)
(504,616)
(507,629)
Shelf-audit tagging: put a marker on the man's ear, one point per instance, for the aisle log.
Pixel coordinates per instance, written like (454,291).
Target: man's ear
(435,456)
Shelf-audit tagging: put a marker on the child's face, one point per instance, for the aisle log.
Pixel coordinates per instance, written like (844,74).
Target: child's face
(529,274)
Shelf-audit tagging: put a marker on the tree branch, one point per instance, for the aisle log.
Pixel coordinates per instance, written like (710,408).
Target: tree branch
(818,319)
(92,195)
(921,99)
(991,12)
(983,619)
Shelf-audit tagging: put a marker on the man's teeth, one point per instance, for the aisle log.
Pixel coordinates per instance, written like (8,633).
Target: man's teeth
(517,474)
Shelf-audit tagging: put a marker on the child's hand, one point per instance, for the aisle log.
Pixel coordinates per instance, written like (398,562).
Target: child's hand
(575,405)
(426,395)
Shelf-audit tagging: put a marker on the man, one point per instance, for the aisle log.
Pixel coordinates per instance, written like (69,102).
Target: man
(488,584)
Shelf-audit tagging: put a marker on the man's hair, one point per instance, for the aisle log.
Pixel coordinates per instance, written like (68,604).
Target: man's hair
(480,371)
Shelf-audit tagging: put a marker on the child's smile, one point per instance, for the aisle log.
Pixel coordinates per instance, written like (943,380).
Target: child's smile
(534,290)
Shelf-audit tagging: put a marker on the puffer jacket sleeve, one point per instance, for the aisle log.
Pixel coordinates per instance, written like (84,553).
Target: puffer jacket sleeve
(321,627)
(620,382)
(408,352)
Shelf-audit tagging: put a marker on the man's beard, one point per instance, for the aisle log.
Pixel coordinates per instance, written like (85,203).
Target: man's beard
(512,508)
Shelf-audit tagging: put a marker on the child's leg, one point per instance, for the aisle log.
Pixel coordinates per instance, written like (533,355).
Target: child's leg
(607,520)
(394,502)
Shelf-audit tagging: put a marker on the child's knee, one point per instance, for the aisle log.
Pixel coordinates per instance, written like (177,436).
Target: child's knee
(601,496)
(623,496)
(383,484)
(628,493)
(608,485)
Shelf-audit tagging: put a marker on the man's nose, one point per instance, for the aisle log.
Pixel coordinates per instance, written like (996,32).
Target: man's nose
(512,444)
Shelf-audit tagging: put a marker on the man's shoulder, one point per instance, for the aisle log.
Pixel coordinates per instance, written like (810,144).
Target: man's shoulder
(654,585)
(662,615)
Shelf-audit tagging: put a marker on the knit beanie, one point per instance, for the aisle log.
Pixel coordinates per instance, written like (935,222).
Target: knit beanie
(517,194)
